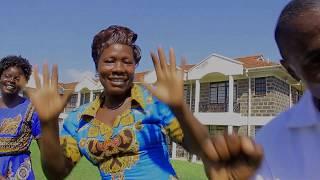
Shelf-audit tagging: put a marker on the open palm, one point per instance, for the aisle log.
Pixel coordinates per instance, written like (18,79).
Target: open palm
(46,98)
(169,85)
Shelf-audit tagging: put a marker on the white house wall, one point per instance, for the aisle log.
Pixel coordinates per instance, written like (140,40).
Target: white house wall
(227,118)
(233,119)
(150,77)
(86,83)
(215,63)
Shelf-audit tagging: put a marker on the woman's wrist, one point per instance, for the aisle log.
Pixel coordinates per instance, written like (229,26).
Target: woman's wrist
(49,124)
(178,107)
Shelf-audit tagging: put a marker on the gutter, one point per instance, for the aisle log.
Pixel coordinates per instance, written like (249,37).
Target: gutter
(264,67)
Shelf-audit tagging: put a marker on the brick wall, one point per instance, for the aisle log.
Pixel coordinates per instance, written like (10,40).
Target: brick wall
(243,94)
(274,101)
(279,91)
(243,130)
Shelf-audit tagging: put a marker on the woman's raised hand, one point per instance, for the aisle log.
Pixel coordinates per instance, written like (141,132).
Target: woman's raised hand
(170,84)
(48,102)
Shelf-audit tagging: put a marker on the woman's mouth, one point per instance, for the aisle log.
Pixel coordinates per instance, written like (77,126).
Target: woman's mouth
(117,81)
(10,87)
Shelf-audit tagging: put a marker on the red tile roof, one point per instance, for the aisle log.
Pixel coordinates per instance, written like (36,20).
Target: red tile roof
(255,61)
(187,67)
(139,77)
(71,85)
(248,62)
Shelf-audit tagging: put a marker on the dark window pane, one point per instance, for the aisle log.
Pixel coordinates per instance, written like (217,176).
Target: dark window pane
(260,86)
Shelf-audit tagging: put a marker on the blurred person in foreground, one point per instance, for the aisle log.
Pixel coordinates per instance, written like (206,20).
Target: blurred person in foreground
(291,141)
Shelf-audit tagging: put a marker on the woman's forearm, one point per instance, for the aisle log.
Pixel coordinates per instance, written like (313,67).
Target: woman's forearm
(52,158)
(196,136)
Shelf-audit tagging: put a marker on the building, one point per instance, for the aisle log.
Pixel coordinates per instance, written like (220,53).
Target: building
(226,94)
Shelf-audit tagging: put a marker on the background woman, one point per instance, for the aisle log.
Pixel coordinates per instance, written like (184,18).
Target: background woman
(18,123)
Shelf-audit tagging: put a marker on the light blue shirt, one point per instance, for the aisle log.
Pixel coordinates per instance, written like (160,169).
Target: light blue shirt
(291,143)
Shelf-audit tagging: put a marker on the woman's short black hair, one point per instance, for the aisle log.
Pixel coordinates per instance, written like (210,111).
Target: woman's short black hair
(16,61)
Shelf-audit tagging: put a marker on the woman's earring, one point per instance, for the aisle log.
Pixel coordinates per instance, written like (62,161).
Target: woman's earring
(97,75)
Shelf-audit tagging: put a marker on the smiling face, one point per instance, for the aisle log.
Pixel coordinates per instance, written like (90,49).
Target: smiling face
(301,49)
(9,80)
(116,67)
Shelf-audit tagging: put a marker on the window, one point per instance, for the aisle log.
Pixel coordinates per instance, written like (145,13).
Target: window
(219,93)
(85,98)
(73,100)
(222,92)
(260,86)
(186,93)
(96,94)
(213,93)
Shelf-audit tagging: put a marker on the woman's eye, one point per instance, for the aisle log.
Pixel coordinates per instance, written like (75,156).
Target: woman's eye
(127,61)
(109,61)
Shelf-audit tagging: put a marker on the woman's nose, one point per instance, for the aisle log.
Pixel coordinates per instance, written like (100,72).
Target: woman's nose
(118,67)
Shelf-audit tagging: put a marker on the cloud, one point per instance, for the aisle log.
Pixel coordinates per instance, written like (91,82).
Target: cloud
(72,75)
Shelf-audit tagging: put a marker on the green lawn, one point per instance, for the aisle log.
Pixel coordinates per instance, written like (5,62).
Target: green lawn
(84,170)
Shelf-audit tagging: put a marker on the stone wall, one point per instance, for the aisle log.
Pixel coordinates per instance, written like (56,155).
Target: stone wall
(274,101)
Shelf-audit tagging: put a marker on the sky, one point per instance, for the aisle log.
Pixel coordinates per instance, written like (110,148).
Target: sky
(61,32)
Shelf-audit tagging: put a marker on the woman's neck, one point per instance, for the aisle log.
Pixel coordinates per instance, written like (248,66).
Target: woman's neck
(114,102)
(10,100)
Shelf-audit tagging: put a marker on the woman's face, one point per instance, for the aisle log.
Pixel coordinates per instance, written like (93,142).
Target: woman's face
(9,80)
(116,68)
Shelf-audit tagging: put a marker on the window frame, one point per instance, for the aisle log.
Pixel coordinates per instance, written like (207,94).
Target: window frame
(260,90)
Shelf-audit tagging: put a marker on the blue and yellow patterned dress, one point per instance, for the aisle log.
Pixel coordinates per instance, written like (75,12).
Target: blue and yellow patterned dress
(18,126)
(134,147)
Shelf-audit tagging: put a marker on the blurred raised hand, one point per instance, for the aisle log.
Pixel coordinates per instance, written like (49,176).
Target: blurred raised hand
(48,102)
(232,158)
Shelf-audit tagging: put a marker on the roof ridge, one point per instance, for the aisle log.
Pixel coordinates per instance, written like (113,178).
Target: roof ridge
(250,56)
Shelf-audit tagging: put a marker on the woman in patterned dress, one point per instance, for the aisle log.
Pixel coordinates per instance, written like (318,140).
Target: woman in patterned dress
(19,125)
(123,132)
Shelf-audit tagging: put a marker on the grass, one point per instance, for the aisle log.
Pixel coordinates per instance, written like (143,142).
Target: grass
(84,170)
(188,171)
